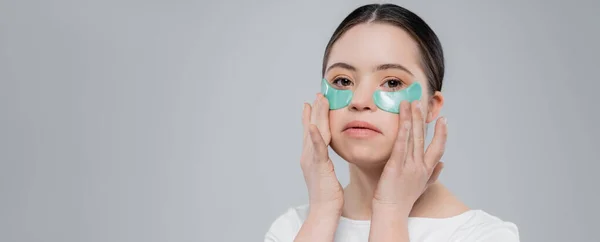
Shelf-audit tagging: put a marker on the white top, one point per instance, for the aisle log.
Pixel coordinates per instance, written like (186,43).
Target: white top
(470,226)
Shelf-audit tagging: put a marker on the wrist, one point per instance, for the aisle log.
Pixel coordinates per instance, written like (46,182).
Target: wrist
(324,212)
(389,222)
(320,224)
(397,210)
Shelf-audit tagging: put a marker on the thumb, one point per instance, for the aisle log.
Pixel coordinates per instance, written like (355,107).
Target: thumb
(436,172)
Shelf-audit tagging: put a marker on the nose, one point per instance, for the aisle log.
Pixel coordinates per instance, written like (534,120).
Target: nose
(362,99)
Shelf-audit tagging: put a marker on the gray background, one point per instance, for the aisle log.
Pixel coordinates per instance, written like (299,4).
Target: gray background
(180,120)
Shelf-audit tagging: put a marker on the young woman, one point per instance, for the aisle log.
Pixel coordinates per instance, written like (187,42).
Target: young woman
(393,194)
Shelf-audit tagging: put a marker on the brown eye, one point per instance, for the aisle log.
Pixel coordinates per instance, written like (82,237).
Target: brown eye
(342,82)
(393,84)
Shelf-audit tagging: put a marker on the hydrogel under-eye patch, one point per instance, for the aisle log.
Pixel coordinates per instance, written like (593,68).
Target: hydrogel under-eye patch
(337,98)
(386,101)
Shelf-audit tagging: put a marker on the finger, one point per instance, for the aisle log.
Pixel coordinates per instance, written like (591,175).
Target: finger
(418,133)
(318,143)
(323,116)
(436,172)
(317,114)
(399,152)
(306,118)
(408,113)
(313,114)
(435,151)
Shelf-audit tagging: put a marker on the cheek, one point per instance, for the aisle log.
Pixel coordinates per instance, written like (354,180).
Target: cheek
(388,123)
(336,120)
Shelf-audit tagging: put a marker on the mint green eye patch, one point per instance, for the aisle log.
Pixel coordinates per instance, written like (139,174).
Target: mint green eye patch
(386,101)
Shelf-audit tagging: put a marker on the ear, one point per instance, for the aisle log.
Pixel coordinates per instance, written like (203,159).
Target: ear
(436,102)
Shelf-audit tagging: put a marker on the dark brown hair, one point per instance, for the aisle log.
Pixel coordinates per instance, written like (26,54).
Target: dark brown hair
(430,48)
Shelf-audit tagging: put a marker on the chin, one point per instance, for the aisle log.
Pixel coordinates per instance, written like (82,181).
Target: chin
(367,155)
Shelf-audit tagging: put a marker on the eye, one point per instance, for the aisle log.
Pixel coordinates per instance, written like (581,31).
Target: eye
(342,82)
(393,84)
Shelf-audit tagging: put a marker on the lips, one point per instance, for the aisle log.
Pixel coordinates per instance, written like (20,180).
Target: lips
(361,125)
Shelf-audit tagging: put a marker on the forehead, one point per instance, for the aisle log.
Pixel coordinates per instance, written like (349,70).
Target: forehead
(367,45)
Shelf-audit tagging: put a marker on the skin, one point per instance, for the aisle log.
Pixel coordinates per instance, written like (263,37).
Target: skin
(393,176)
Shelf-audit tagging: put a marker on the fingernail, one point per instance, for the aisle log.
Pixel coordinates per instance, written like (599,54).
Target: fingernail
(418,104)
(445,120)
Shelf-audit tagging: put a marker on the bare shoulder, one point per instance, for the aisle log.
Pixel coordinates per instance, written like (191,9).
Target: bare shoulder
(438,202)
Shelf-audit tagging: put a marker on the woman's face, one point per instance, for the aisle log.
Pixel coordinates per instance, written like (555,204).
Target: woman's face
(366,58)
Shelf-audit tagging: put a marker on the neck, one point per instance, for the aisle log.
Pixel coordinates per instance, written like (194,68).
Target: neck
(358,195)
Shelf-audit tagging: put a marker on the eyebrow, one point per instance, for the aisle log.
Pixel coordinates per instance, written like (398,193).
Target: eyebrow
(378,68)
(393,66)
(341,65)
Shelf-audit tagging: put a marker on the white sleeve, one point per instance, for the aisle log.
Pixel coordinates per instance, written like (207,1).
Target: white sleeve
(495,232)
(284,228)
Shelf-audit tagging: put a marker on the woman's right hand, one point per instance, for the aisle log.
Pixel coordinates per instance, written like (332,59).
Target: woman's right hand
(325,193)
(324,189)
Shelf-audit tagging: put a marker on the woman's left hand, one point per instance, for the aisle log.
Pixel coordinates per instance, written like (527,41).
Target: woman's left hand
(410,169)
